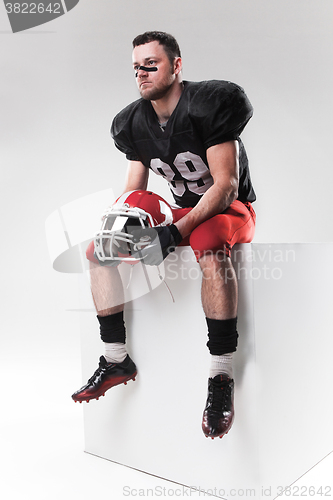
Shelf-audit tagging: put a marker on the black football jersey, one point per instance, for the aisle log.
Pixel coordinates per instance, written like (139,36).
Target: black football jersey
(207,113)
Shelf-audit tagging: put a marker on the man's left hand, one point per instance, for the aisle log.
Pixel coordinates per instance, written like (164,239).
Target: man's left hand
(156,243)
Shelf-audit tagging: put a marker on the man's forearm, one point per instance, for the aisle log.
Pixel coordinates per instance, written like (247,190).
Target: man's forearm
(214,201)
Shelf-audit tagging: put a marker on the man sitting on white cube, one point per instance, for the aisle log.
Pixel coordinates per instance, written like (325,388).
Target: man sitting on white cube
(187,132)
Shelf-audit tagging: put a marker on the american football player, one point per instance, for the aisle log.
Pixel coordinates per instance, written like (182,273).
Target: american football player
(188,133)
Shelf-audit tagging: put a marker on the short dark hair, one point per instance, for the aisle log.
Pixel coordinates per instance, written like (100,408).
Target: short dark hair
(169,42)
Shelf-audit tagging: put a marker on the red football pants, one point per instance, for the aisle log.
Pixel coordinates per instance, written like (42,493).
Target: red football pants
(220,233)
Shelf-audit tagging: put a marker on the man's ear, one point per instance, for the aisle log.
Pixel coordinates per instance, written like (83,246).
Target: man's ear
(177,65)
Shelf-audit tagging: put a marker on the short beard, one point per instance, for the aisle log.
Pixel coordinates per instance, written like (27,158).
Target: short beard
(155,94)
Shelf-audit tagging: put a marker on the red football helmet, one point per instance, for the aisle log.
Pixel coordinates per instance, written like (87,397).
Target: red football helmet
(132,210)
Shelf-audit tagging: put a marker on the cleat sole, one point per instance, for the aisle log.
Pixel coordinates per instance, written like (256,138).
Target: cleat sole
(99,395)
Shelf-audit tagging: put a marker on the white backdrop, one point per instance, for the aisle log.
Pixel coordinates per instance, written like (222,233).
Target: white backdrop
(64,81)
(61,84)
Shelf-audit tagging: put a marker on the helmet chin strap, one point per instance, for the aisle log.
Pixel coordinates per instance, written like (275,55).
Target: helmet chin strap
(159,275)
(166,284)
(144,68)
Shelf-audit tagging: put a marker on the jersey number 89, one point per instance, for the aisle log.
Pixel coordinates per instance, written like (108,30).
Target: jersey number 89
(189,170)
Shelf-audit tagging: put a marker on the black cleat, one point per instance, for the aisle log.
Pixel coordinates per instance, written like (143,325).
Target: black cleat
(218,415)
(106,376)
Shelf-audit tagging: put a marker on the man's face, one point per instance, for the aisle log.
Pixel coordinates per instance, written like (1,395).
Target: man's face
(153,85)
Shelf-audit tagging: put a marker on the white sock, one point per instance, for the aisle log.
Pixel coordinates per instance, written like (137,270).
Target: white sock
(115,352)
(221,364)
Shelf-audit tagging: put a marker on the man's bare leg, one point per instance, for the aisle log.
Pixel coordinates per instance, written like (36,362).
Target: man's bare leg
(219,295)
(219,292)
(115,367)
(219,299)
(107,289)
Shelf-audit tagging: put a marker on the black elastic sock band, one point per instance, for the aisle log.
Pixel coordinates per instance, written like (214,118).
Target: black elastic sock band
(112,328)
(222,335)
